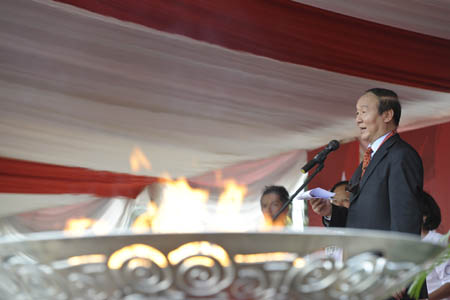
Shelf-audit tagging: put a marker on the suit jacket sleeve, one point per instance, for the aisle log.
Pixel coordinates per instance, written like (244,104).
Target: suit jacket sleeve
(405,186)
(338,216)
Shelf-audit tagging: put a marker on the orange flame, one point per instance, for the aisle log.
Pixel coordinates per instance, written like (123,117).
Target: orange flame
(230,200)
(79,226)
(270,224)
(138,160)
(181,209)
(144,222)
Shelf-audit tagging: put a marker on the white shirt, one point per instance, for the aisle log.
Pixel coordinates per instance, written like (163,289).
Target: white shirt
(441,274)
(376,145)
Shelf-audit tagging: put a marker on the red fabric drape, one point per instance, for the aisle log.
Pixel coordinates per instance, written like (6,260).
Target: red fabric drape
(18,176)
(289,31)
(432,143)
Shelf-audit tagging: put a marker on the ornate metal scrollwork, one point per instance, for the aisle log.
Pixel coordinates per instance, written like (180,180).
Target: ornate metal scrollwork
(202,268)
(198,269)
(140,268)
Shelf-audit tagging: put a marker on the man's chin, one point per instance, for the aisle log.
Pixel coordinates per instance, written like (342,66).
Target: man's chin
(364,138)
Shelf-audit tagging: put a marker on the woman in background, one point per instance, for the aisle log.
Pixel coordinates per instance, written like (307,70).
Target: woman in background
(272,199)
(438,281)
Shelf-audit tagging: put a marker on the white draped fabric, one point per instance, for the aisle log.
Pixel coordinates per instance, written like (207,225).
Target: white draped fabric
(112,213)
(85,93)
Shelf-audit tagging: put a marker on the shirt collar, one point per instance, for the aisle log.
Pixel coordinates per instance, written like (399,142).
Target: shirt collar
(375,145)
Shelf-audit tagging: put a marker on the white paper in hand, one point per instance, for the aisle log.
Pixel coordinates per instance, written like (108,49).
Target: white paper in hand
(315,193)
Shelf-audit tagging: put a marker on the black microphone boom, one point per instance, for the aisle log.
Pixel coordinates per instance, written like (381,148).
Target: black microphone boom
(321,156)
(318,159)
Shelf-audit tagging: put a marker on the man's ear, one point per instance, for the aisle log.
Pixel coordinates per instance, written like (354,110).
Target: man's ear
(388,115)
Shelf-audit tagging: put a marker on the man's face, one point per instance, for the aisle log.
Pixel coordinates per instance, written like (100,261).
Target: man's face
(342,196)
(371,124)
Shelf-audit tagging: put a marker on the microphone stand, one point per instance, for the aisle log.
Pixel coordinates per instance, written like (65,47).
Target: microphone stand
(310,177)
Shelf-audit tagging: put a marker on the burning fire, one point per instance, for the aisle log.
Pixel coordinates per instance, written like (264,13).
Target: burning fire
(185,209)
(79,226)
(182,208)
(144,222)
(270,224)
(230,201)
(138,160)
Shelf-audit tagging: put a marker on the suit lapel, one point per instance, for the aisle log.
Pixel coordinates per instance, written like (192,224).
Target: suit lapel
(377,158)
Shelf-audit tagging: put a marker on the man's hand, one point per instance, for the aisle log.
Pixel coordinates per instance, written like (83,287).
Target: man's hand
(321,207)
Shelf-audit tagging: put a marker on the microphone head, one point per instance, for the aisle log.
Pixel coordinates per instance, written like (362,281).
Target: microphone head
(333,145)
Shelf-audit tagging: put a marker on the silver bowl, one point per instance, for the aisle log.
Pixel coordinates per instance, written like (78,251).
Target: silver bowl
(314,264)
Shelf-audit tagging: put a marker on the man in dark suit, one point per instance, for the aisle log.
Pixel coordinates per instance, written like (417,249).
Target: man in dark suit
(385,194)
(386,187)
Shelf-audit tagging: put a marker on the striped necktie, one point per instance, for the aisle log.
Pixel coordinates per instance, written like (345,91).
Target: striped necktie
(366,160)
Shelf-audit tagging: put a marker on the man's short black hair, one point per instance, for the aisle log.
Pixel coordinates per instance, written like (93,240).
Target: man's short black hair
(431,212)
(344,182)
(387,100)
(279,190)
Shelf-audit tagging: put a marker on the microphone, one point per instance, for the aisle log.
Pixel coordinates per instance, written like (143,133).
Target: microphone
(321,156)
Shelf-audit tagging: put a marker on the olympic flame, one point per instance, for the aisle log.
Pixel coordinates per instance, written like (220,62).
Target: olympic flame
(79,226)
(144,222)
(270,224)
(182,208)
(230,201)
(138,160)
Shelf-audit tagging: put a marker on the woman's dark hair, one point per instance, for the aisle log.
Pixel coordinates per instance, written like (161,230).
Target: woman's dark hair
(387,100)
(279,190)
(344,182)
(431,212)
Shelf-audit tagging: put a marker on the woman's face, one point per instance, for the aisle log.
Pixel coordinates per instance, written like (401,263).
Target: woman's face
(271,204)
